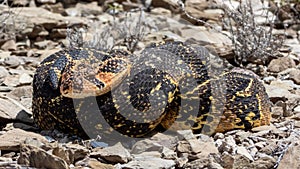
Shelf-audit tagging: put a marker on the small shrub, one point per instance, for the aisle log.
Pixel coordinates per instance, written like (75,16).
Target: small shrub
(127,32)
(251,42)
(7,26)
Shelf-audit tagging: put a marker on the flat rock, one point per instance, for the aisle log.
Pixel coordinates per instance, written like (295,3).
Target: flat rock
(70,152)
(12,81)
(241,162)
(291,158)
(12,139)
(196,13)
(92,163)
(264,163)
(8,109)
(277,93)
(89,9)
(21,92)
(40,20)
(203,163)
(297,109)
(36,157)
(9,45)
(295,76)
(146,145)
(204,148)
(95,164)
(228,144)
(281,64)
(168,153)
(12,61)
(148,162)
(3,74)
(114,154)
(168,4)
(244,152)
(25,79)
(46,1)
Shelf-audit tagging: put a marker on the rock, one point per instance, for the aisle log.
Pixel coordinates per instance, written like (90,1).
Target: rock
(241,162)
(8,109)
(228,145)
(168,153)
(269,79)
(89,9)
(280,64)
(186,134)
(264,163)
(39,21)
(38,31)
(260,130)
(204,148)
(20,3)
(149,162)
(161,11)
(21,92)
(12,61)
(199,15)
(198,163)
(165,140)
(227,160)
(205,37)
(291,158)
(3,73)
(297,124)
(24,126)
(12,139)
(46,1)
(12,81)
(113,154)
(297,109)
(242,135)
(127,6)
(277,93)
(295,76)
(146,145)
(55,8)
(25,79)
(70,152)
(94,164)
(269,148)
(198,4)
(36,157)
(244,152)
(219,136)
(45,44)
(183,147)
(277,111)
(196,148)
(181,161)
(150,154)
(58,33)
(168,4)
(9,45)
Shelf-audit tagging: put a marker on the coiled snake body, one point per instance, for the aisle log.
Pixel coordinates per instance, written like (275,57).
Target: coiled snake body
(168,86)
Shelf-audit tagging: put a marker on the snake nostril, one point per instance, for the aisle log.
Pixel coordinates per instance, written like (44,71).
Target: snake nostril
(99,84)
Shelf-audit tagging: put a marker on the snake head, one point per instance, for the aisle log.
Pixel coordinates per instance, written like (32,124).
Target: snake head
(83,78)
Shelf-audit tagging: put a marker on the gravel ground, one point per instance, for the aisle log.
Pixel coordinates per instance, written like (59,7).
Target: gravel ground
(32,30)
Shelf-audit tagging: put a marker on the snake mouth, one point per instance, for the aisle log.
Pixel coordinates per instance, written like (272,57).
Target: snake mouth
(85,83)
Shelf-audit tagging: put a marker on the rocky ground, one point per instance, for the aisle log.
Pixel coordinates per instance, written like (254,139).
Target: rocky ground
(31,30)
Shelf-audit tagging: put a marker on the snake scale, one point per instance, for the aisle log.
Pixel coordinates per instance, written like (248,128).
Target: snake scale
(168,86)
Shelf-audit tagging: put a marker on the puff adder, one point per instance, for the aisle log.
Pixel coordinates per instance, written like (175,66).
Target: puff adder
(168,86)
